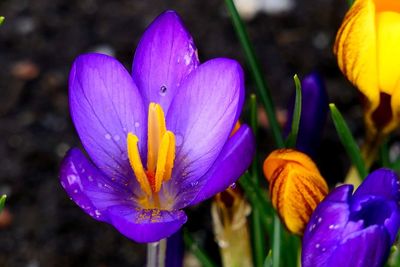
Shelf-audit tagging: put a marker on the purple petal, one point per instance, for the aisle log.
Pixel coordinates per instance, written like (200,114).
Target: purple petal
(146,226)
(89,188)
(340,194)
(105,105)
(202,116)
(323,232)
(235,158)
(382,182)
(326,226)
(376,210)
(313,114)
(369,247)
(164,57)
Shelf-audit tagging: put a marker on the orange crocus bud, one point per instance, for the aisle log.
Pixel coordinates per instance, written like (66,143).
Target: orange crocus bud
(296,187)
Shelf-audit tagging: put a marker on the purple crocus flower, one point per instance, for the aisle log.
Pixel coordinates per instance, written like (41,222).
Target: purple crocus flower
(159,138)
(355,230)
(313,114)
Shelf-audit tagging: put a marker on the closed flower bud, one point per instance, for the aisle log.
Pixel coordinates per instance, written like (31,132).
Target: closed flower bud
(367,50)
(295,185)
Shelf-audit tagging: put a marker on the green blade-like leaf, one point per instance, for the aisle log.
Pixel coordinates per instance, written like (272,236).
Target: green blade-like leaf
(258,231)
(200,254)
(255,71)
(268,260)
(292,137)
(2,202)
(348,141)
(2,19)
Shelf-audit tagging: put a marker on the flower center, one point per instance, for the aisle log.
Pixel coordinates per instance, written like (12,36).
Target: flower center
(160,154)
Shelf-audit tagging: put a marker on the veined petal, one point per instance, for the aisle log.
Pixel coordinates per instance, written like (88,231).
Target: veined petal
(368,247)
(203,114)
(164,57)
(146,225)
(356,51)
(89,188)
(233,161)
(105,106)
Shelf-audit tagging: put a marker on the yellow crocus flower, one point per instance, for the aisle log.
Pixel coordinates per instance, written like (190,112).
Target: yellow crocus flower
(295,185)
(368,52)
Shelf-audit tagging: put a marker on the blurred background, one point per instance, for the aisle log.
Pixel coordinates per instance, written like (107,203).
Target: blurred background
(39,40)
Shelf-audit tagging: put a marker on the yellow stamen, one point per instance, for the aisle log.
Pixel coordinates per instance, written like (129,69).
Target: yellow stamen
(136,163)
(166,154)
(160,157)
(155,130)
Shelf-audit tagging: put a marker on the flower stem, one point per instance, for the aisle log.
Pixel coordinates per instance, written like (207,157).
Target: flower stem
(156,253)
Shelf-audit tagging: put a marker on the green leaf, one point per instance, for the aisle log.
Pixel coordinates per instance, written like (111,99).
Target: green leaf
(255,71)
(2,19)
(2,202)
(292,137)
(268,260)
(200,254)
(348,141)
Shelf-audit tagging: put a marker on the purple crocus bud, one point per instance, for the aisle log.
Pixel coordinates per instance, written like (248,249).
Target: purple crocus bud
(355,230)
(313,114)
(158,139)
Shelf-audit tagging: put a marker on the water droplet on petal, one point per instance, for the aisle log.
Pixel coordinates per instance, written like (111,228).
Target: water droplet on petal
(233,185)
(71,179)
(163,90)
(137,124)
(107,136)
(116,137)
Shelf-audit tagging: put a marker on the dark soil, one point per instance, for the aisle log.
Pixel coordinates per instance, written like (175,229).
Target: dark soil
(38,42)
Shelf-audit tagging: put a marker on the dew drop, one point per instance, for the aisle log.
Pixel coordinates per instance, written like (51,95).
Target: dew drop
(319,219)
(107,136)
(116,138)
(76,191)
(233,185)
(194,183)
(71,179)
(137,124)
(63,184)
(163,90)
(317,245)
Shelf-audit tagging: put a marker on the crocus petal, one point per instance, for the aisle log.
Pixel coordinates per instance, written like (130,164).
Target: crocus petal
(325,227)
(203,114)
(382,182)
(164,57)
(105,106)
(355,48)
(89,188)
(368,247)
(234,159)
(146,225)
